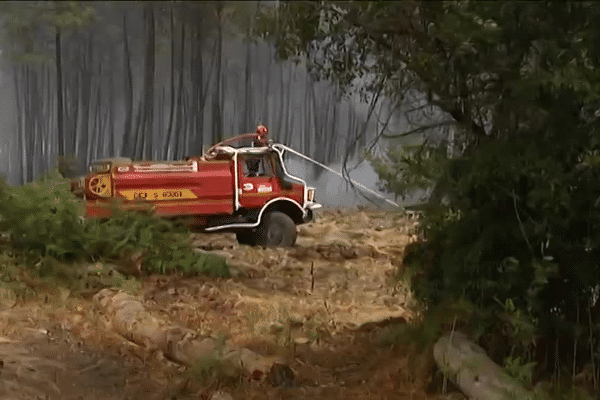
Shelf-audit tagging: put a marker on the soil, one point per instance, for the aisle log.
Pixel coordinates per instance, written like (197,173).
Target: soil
(324,305)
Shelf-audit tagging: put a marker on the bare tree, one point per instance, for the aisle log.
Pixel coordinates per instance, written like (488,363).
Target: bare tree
(59,96)
(167,141)
(127,135)
(198,87)
(217,133)
(148,118)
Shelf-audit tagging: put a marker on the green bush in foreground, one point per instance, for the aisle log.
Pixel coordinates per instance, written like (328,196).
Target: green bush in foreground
(46,222)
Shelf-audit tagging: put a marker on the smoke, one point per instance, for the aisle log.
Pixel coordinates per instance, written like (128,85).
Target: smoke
(334,192)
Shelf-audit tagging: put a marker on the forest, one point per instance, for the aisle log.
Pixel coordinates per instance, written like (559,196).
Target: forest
(490,109)
(159,80)
(510,242)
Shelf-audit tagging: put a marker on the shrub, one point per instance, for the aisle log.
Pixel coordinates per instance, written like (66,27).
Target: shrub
(46,222)
(517,237)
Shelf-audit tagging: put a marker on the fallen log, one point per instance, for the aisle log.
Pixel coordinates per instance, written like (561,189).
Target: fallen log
(468,367)
(130,319)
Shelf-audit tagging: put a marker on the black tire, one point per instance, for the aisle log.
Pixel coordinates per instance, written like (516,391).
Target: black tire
(276,230)
(246,237)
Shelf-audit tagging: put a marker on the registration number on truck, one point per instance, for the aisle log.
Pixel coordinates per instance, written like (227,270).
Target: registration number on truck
(158,194)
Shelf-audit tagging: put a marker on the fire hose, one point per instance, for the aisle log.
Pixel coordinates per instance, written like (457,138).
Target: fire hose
(338,174)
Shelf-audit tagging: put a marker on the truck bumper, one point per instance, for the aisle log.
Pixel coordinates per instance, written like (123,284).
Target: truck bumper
(309,211)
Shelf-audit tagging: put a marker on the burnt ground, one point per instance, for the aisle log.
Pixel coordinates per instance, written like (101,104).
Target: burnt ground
(326,306)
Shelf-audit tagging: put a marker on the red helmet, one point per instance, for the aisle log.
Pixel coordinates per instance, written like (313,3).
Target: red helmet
(261,130)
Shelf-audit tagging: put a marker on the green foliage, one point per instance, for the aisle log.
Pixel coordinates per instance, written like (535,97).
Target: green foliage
(46,223)
(28,25)
(520,370)
(163,245)
(212,369)
(407,168)
(206,369)
(512,226)
(43,218)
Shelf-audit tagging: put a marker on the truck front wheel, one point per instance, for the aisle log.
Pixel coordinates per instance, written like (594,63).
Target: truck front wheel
(247,238)
(276,230)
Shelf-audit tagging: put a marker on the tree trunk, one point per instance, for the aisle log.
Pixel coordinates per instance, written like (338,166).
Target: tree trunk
(197,72)
(172,97)
(148,120)
(86,94)
(186,119)
(97,131)
(71,108)
(138,131)
(59,97)
(477,376)
(245,122)
(288,110)
(333,139)
(126,148)
(267,96)
(217,114)
(131,320)
(180,124)
(36,139)
(111,117)
(21,112)
(280,109)
(27,132)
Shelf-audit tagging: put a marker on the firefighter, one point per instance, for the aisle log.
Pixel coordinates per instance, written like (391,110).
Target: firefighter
(261,132)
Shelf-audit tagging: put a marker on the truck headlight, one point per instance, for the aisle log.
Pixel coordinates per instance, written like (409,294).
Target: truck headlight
(311,195)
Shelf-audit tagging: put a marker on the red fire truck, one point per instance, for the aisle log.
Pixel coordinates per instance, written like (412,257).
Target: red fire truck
(239,185)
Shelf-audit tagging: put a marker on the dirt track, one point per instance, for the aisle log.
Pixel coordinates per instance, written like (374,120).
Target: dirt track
(324,306)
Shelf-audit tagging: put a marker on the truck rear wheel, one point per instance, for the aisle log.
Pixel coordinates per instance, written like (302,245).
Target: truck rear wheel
(276,230)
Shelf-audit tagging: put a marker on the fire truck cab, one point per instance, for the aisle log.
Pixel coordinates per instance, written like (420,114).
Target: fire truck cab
(239,185)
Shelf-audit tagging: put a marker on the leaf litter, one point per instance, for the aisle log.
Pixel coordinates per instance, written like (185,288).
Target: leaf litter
(320,305)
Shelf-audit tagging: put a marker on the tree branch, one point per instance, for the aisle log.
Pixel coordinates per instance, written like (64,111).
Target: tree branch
(514,196)
(418,130)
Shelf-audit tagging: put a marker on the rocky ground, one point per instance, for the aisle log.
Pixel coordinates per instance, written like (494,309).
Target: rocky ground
(326,307)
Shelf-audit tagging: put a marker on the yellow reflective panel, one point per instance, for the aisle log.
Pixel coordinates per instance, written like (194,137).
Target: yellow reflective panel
(158,194)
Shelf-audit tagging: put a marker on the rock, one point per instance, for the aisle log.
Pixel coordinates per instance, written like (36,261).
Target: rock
(301,340)
(296,320)
(99,276)
(303,232)
(270,262)
(304,253)
(276,328)
(331,252)
(349,253)
(221,396)
(281,375)
(362,218)
(450,396)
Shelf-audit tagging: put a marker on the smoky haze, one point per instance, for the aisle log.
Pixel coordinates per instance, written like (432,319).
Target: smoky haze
(207,85)
(335,192)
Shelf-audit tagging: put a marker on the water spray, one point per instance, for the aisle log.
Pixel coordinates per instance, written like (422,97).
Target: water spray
(338,174)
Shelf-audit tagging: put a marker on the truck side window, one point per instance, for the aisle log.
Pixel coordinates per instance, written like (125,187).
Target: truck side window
(254,166)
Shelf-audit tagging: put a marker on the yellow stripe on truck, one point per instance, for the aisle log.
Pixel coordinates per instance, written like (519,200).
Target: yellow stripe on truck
(158,194)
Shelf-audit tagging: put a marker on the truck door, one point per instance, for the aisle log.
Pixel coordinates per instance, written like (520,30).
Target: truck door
(258,182)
